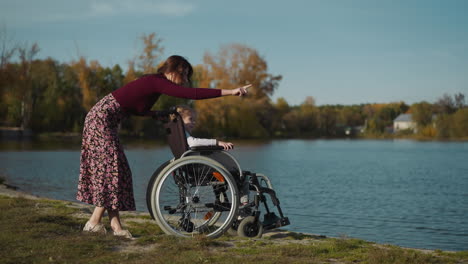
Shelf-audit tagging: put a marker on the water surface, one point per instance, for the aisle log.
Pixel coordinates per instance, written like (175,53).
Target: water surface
(408,193)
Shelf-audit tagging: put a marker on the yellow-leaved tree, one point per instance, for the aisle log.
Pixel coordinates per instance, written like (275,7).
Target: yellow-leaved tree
(249,117)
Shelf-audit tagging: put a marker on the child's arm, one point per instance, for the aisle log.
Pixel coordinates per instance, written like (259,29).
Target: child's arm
(195,142)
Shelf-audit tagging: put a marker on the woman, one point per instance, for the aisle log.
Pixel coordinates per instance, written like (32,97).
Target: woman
(105,177)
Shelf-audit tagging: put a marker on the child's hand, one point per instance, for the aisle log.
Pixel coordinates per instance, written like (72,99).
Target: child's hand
(241,91)
(226,145)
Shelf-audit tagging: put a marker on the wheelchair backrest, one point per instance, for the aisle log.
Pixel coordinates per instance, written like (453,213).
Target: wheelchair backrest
(177,140)
(176,135)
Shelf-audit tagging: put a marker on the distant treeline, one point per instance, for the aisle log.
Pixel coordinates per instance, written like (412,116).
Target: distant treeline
(48,96)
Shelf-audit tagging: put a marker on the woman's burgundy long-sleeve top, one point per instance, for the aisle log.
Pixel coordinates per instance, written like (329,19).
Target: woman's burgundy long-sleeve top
(137,97)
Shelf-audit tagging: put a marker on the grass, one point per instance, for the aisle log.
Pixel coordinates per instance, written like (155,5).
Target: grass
(44,231)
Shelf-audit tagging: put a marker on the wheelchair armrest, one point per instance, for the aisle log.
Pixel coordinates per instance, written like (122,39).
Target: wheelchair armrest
(206,148)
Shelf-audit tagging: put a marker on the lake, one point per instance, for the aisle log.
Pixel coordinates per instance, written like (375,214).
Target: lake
(402,192)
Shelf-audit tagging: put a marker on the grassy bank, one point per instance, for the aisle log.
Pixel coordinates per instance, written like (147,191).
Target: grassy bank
(46,231)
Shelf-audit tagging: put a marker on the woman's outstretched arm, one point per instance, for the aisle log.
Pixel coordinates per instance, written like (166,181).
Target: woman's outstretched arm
(241,91)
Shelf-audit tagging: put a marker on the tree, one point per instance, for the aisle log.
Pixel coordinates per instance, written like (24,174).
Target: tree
(7,48)
(351,116)
(443,125)
(232,66)
(7,74)
(445,104)
(282,106)
(279,126)
(460,123)
(83,73)
(108,80)
(26,93)
(327,119)
(152,50)
(459,100)
(237,64)
(422,113)
(131,74)
(308,115)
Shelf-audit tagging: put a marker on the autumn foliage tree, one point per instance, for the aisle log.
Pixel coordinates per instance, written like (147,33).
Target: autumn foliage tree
(49,96)
(151,54)
(232,66)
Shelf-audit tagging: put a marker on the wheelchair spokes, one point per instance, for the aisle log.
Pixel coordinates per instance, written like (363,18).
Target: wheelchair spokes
(195,197)
(197,192)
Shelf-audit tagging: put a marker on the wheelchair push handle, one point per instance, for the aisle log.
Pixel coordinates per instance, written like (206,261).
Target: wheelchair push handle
(164,114)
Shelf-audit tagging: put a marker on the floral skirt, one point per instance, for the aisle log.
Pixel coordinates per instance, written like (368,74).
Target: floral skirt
(105,176)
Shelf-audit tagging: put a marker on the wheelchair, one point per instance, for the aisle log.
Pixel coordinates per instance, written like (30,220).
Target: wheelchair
(198,191)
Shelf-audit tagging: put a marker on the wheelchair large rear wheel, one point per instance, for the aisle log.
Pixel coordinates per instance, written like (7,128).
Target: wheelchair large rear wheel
(149,188)
(194,196)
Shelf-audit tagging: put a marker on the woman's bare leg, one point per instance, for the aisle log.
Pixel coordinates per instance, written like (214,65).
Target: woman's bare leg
(114,218)
(96,217)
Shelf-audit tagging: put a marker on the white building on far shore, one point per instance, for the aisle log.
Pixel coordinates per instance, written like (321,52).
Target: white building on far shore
(404,122)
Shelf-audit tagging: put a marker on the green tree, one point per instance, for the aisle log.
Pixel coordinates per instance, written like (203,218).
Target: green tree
(308,117)
(108,80)
(351,116)
(279,127)
(422,113)
(460,123)
(327,119)
(444,125)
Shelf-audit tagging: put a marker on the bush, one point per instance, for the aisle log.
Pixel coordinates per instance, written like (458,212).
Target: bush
(428,131)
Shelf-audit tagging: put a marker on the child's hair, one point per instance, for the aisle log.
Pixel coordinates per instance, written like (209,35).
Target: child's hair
(185,110)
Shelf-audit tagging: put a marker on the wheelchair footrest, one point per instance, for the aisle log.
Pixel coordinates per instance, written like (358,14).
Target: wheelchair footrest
(283,222)
(271,220)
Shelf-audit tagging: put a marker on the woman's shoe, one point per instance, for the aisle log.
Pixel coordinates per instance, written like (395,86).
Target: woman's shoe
(123,233)
(99,228)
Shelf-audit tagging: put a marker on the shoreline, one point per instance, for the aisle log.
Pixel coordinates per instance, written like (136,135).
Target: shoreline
(15,192)
(76,137)
(42,230)
(57,143)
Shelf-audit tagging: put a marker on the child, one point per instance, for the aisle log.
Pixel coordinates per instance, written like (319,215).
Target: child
(189,117)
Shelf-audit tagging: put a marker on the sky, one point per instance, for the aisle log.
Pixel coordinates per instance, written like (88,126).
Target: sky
(338,51)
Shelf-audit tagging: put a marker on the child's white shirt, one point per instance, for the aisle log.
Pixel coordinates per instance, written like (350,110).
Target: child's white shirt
(196,142)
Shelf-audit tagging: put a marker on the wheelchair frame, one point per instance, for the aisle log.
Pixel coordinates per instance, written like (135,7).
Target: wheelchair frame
(194,194)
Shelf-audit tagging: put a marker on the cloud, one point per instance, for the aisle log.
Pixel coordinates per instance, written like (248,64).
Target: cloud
(15,12)
(173,8)
(101,8)
(133,7)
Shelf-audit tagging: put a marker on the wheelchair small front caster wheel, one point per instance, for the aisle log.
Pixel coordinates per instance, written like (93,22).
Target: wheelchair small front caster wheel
(232,231)
(248,227)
